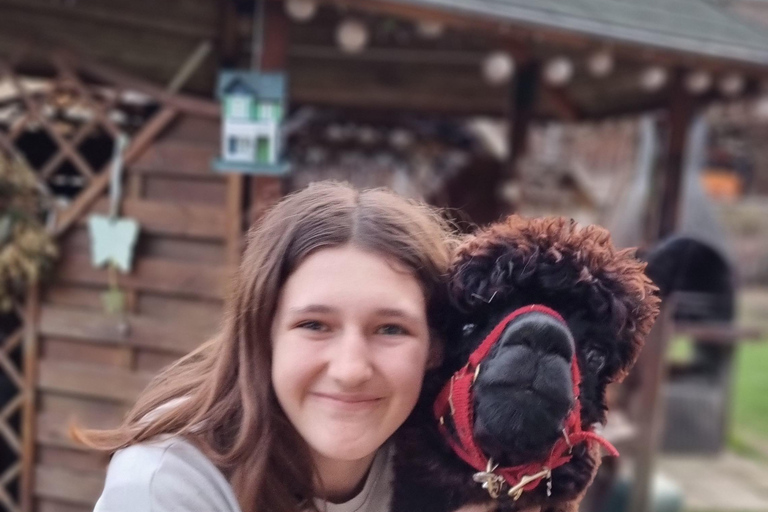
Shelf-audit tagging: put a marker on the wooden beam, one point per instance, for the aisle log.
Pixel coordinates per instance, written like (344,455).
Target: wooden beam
(228,41)
(108,15)
(265,191)
(139,144)
(189,104)
(649,417)
(668,183)
(30,354)
(522,101)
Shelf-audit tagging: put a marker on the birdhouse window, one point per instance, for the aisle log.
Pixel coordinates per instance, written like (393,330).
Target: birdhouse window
(239,107)
(241,148)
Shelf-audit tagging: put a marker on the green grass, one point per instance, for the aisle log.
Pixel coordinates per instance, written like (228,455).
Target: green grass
(750,397)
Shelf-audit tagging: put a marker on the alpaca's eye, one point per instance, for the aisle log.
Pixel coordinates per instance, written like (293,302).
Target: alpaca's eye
(595,360)
(468,329)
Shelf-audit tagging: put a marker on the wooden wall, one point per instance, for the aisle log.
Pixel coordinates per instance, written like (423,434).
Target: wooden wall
(89,370)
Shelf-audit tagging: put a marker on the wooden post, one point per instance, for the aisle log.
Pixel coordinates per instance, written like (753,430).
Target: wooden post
(668,178)
(522,101)
(649,408)
(29,417)
(265,191)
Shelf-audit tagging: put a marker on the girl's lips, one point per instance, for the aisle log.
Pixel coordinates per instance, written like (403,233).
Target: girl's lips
(353,402)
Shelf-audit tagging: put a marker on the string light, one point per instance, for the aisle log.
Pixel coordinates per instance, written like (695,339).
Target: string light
(731,84)
(600,63)
(698,82)
(558,71)
(301,10)
(653,78)
(498,68)
(352,35)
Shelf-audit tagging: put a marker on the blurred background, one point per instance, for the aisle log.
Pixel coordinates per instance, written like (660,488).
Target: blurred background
(139,139)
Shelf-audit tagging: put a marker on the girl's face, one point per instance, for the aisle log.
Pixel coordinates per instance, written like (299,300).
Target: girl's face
(350,347)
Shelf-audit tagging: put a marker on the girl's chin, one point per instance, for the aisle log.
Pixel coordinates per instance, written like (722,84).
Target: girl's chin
(346,452)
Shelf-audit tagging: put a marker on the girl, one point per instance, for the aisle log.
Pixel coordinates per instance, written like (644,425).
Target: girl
(327,336)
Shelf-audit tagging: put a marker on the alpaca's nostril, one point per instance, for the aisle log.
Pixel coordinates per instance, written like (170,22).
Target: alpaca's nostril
(542,333)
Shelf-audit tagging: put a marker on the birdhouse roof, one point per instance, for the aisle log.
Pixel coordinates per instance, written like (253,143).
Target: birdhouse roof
(264,86)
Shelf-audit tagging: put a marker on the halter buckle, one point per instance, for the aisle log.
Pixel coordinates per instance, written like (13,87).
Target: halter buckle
(492,482)
(517,491)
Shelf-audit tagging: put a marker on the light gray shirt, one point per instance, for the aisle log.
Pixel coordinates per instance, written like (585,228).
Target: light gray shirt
(172,475)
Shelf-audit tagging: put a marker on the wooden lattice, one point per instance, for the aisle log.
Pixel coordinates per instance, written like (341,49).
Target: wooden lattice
(51,121)
(11,368)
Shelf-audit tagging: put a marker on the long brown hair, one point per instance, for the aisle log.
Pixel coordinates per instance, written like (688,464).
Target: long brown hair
(222,393)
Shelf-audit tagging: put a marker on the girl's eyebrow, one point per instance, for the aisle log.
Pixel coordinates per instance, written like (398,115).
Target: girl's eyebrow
(397,313)
(311,308)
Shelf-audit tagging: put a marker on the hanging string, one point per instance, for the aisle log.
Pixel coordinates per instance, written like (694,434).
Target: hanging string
(257,38)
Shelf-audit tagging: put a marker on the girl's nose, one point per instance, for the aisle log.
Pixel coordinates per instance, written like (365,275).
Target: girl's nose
(350,365)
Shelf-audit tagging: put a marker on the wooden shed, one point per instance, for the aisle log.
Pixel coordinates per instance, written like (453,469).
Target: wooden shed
(79,362)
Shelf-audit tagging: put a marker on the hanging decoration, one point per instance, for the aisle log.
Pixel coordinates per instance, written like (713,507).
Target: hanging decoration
(301,10)
(253,110)
(698,82)
(27,250)
(352,35)
(731,84)
(113,238)
(498,68)
(600,63)
(653,78)
(558,71)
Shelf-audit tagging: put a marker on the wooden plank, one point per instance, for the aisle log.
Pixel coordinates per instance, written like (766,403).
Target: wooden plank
(90,381)
(178,157)
(202,191)
(204,131)
(83,297)
(184,250)
(151,361)
(151,274)
(179,219)
(87,412)
(194,312)
(169,334)
(44,505)
(76,460)
(59,349)
(69,486)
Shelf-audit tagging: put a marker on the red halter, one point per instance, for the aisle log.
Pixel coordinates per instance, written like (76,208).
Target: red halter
(456,399)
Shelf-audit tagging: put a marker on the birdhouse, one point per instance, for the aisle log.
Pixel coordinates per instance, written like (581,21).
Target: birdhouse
(253,106)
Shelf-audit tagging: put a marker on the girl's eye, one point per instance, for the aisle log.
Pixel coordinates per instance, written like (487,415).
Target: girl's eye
(392,330)
(313,325)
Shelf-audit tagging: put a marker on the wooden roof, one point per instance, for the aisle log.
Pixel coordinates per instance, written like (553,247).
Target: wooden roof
(695,26)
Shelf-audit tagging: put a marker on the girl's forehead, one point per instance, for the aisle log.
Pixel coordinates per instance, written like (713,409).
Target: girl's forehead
(349,275)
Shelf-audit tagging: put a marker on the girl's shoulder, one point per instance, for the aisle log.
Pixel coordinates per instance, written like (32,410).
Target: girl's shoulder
(164,475)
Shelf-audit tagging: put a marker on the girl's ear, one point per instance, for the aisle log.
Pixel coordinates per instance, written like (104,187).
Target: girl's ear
(435,356)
